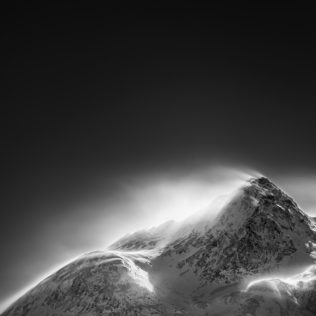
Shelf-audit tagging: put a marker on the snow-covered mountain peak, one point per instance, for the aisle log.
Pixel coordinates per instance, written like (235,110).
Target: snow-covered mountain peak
(260,230)
(200,266)
(259,197)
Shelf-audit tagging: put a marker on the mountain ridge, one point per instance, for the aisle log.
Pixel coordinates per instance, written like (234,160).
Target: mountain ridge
(197,267)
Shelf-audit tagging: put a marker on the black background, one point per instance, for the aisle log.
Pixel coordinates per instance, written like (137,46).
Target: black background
(91,94)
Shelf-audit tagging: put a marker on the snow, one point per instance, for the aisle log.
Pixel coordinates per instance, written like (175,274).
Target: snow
(232,257)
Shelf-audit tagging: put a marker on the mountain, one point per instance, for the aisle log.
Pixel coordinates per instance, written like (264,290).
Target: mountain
(255,257)
(154,238)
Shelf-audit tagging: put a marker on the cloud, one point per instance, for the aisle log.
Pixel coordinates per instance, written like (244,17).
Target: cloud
(179,195)
(132,202)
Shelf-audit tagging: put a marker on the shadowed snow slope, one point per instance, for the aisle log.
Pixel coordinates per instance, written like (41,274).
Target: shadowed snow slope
(255,257)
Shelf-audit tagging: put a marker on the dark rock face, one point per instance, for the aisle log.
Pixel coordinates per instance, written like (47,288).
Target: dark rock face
(194,270)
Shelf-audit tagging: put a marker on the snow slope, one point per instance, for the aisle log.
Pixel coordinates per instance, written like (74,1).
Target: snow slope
(255,257)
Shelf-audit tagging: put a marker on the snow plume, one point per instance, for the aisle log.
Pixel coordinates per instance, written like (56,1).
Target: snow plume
(299,281)
(176,195)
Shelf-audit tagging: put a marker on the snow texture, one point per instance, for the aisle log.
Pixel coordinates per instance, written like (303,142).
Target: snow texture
(256,257)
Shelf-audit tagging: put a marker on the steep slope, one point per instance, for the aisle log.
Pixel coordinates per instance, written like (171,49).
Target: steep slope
(261,230)
(98,283)
(154,238)
(230,264)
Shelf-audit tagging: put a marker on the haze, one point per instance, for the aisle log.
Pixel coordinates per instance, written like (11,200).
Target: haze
(137,203)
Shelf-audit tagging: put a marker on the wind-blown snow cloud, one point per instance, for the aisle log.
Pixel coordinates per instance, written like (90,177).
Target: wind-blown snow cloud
(142,201)
(178,196)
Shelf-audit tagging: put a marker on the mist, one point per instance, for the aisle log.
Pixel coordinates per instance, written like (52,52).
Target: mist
(133,203)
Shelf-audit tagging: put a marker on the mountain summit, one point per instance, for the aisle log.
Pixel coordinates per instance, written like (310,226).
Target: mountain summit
(255,256)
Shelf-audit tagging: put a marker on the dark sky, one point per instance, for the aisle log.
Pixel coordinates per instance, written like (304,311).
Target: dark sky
(93,96)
